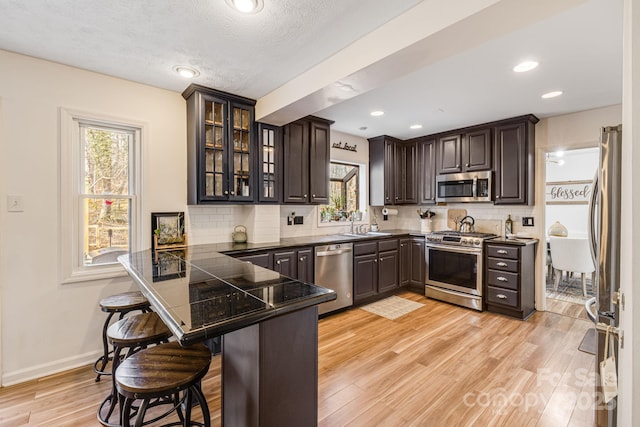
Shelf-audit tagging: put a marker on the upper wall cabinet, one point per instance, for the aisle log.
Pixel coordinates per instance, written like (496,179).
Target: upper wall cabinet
(307,150)
(220,146)
(514,143)
(426,171)
(269,163)
(465,152)
(393,167)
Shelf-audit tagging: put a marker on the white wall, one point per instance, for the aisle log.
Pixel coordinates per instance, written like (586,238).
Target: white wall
(47,326)
(580,165)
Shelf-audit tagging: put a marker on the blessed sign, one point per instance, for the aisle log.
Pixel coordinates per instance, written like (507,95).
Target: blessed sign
(568,193)
(344,146)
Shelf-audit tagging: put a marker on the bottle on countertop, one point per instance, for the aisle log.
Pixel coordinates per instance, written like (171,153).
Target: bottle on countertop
(508,226)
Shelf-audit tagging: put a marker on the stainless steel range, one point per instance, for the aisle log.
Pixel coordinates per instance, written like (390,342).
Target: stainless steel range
(454,267)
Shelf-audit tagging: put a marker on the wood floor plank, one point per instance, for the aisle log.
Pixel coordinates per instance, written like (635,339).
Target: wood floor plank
(439,365)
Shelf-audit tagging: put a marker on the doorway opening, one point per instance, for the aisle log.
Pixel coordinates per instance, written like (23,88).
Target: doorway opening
(570,270)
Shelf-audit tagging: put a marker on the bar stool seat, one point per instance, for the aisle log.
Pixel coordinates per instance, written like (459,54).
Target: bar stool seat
(120,303)
(131,334)
(162,371)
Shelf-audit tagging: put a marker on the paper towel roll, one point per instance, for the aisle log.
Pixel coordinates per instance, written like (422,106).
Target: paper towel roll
(387,211)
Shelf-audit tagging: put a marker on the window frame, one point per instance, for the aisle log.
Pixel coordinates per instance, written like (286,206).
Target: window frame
(71,190)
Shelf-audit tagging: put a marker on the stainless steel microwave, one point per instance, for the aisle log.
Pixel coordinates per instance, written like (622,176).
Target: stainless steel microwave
(464,187)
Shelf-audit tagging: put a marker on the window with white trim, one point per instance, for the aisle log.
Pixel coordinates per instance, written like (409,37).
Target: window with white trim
(100,166)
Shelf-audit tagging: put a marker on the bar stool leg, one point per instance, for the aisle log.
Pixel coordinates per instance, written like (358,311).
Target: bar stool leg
(105,355)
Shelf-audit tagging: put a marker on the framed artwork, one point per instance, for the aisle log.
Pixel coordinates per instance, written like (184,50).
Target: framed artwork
(568,192)
(167,230)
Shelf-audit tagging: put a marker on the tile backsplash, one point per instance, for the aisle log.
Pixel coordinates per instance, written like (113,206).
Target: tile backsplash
(268,223)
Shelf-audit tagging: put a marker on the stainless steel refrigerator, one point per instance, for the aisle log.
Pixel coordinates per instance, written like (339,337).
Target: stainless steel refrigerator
(605,243)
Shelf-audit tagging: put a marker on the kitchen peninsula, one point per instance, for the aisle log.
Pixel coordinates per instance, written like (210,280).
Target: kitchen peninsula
(200,294)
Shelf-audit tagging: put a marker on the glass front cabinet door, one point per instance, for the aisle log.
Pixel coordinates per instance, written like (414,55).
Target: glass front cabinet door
(220,146)
(269,162)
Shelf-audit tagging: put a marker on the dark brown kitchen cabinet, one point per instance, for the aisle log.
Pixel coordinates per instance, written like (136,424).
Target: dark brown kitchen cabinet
(393,169)
(405,262)
(412,263)
(450,154)
(418,264)
(305,264)
(476,150)
(426,176)
(269,163)
(295,263)
(509,277)
(376,268)
(285,262)
(404,178)
(220,146)
(466,152)
(514,147)
(306,161)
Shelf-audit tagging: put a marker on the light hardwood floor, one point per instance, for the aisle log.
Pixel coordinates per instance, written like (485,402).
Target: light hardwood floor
(440,365)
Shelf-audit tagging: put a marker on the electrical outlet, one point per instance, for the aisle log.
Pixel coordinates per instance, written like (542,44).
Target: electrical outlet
(298,220)
(527,221)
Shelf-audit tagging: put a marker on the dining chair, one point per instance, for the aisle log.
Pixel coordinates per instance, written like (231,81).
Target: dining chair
(571,254)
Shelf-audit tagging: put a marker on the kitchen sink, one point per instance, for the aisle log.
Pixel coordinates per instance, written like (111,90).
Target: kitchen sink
(368,233)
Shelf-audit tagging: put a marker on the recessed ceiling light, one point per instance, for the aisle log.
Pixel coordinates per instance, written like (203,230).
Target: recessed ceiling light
(187,72)
(525,66)
(415,127)
(552,94)
(246,6)
(377,113)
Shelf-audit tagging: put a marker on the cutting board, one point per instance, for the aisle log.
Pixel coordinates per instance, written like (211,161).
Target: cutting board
(454,216)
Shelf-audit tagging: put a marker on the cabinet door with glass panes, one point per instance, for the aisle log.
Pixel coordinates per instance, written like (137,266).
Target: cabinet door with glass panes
(221,145)
(269,163)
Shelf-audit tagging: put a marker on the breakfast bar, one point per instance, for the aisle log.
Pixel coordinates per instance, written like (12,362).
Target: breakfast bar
(268,323)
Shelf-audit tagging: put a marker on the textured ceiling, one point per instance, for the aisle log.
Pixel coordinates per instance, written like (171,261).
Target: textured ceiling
(142,40)
(580,52)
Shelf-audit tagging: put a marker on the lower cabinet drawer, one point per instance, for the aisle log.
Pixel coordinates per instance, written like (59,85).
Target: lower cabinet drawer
(502,296)
(502,279)
(502,264)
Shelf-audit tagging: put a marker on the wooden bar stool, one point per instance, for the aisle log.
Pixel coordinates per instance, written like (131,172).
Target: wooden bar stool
(120,303)
(131,334)
(164,371)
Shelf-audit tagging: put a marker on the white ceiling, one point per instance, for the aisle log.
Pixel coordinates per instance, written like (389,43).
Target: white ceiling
(580,52)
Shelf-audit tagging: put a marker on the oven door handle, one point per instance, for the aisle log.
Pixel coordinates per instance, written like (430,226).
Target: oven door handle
(457,249)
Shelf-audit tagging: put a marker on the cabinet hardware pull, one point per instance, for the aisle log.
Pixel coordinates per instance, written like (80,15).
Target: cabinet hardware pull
(503,279)
(502,251)
(226,192)
(501,264)
(375,260)
(305,195)
(502,296)
(301,258)
(278,262)
(457,166)
(233,193)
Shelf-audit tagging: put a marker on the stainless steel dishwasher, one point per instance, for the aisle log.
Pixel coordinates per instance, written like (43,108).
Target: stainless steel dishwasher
(334,270)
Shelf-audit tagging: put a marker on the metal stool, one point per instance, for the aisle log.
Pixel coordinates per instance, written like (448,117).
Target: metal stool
(131,334)
(164,371)
(123,304)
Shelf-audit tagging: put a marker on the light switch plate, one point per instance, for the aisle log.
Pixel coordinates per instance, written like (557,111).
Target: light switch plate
(14,204)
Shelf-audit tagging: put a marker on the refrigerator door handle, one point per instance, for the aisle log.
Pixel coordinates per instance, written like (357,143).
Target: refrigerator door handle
(592,221)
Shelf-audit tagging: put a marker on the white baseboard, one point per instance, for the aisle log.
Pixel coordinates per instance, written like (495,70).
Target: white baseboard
(54,367)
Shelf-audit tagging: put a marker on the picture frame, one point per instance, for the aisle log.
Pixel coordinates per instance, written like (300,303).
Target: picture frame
(167,231)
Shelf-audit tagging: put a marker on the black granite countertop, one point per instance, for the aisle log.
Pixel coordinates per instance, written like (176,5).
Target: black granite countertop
(201,293)
(290,242)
